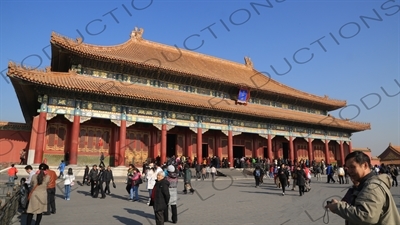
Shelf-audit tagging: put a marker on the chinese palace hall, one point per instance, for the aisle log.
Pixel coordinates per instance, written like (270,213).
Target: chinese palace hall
(142,99)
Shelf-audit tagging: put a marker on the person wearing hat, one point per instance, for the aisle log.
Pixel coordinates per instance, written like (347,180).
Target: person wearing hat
(151,177)
(172,178)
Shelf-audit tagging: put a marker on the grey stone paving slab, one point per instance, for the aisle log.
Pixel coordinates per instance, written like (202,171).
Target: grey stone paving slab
(220,202)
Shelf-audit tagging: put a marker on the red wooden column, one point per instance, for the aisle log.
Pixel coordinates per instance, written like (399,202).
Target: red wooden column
(291,148)
(154,144)
(218,145)
(32,140)
(270,156)
(41,132)
(122,142)
(327,157)
(188,143)
(115,144)
(341,153)
(163,155)
(350,147)
(230,148)
(255,147)
(310,150)
(199,145)
(73,153)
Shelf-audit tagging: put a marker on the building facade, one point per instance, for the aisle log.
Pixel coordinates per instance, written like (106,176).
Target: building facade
(142,99)
(391,155)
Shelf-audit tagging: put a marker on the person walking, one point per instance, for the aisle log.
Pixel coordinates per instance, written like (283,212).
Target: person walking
(129,176)
(100,184)
(136,181)
(213,172)
(394,173)
(151,177)
(86,176)
(187,180)
(160,198)
(257,175)
(102,160)
(300,179)
(341,174)
(318,171)
(61,168)
(330,172)
(172,179)
(93,176)
(108,177)
(38,196)
(283,176)
(372,201)
(69,180)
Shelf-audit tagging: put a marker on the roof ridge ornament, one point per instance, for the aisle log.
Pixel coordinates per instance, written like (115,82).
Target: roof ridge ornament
(248,62)
(79,40)
(137,33)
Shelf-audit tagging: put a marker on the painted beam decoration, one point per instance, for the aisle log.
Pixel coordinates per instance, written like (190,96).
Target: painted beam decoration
(110,111)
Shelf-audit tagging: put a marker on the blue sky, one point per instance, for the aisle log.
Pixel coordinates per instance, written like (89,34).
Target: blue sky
(332,48)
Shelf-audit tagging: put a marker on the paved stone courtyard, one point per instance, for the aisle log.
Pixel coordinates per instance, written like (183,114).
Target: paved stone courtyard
(225,201)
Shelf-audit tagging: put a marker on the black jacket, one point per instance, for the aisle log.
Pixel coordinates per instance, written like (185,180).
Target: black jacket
(101,177)
(108,176)
(161,195)
(283,174)
(93,175)
(300,177)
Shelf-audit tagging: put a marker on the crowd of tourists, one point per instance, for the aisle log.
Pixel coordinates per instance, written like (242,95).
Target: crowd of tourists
(39,188)
(162,186)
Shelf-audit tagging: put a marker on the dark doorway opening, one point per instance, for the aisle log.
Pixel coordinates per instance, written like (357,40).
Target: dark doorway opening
(171,144)
(266,154)
(285,149)
(238,151)
(204,150)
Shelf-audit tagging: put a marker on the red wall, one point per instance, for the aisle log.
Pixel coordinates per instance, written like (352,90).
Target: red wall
(11,144)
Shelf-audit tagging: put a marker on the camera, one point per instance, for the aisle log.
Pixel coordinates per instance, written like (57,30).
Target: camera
(329,202)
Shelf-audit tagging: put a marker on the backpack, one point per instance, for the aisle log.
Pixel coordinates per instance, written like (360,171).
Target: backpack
(258,173)
(395,172)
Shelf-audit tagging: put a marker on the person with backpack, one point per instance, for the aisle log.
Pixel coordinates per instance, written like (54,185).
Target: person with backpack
(61,168)
(257,175)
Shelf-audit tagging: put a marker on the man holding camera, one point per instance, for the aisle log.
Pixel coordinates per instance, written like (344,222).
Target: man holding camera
(371,202)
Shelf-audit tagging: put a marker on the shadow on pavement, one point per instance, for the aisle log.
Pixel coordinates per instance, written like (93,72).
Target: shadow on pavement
(271,193)
(127,221)
(119,197)
(140,213)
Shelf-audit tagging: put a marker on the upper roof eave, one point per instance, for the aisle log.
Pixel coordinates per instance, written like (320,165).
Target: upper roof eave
(212,68)
(78,83)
